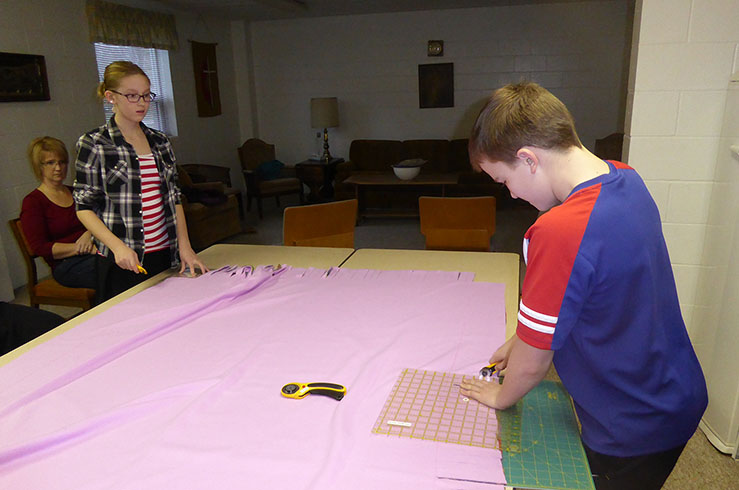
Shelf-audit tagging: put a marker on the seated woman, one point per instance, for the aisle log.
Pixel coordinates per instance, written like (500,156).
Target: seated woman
(49,219)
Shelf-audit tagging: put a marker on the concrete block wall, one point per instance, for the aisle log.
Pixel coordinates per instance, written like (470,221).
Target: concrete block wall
(681,120)
(370,62)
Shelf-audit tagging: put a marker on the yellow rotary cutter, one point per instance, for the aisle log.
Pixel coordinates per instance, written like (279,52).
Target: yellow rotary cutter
(489,370)
(300,390)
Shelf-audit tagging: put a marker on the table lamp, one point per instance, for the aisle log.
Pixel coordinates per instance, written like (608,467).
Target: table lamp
(324,113)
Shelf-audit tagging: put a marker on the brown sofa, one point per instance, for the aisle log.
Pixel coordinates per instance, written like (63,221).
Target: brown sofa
(217,215)
(443,156)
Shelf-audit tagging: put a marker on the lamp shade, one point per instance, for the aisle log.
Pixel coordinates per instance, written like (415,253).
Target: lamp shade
(324,112)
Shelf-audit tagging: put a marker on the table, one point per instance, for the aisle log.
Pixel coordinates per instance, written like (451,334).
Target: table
(386,180)
(213,257)
(453,338)
(488,267)
(318,175)
(235,254)
(160,387)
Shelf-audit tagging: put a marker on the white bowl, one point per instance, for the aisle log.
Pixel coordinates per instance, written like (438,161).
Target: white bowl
(406,173)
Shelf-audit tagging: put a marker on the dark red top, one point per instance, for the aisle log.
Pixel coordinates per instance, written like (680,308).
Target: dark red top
(45,223)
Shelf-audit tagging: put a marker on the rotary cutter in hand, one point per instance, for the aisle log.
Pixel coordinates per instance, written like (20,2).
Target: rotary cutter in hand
(488,370)
(300,390)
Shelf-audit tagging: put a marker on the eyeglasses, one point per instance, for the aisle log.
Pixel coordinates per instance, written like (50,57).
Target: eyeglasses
(52,163)
(133,98)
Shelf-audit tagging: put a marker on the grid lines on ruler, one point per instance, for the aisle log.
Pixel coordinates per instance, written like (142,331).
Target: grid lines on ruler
(427,405)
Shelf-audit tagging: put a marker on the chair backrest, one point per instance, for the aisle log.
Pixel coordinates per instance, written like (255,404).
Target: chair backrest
(375,155)
(203,172)
(435,152)
(457,223)
(320,225)
(28,255)
(48,291)
(254,152)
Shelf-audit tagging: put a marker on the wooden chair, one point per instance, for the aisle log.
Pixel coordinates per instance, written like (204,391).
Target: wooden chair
(48,291)
(457,223)
(252,154)
(320,225)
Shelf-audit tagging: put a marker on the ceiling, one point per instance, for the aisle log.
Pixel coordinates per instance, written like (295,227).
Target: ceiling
(287,9)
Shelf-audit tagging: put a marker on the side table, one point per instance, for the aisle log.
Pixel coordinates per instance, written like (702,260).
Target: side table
(318,175)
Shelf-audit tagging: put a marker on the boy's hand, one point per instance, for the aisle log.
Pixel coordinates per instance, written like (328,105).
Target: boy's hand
(500,357)
(485,392)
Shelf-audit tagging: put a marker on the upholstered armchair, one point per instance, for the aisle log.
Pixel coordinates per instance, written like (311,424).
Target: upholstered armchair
(253,154)
(201,172)
(212,213)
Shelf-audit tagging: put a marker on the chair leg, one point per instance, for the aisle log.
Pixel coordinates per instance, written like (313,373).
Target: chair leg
(259,207)
(277,200)
(301,197)
(248,203)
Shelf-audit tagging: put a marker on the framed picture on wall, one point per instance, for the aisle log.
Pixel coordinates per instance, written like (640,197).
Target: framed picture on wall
(436,85)
(23,78)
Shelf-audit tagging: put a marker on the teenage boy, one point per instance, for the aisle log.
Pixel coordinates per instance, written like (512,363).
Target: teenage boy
(598,298)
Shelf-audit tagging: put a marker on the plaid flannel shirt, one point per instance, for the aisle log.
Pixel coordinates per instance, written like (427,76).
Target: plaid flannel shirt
(108,182)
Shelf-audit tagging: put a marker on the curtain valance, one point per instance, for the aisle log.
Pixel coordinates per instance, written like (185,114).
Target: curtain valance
(111,23)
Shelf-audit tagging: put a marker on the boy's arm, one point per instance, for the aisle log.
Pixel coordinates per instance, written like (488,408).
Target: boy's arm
(527,366)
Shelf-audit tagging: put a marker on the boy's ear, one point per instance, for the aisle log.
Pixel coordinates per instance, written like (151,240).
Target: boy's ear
(527,157)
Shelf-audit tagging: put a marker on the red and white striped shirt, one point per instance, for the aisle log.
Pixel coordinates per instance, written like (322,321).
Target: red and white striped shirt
(152,209)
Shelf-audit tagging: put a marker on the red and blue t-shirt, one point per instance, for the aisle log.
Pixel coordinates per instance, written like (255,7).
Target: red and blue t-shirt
(599,291)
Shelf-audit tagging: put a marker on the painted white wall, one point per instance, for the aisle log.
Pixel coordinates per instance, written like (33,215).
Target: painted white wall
(678,92)
(716,315)
(57,29)
(244,79)
(370,62)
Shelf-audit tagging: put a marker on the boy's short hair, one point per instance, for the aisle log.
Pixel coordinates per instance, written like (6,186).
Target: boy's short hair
(518,115)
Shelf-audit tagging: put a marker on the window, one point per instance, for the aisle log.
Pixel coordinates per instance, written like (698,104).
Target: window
(155,62)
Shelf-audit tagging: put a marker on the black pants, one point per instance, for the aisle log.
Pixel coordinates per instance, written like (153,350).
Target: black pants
(112,280)
(76,272)
(20,323)
(647,472)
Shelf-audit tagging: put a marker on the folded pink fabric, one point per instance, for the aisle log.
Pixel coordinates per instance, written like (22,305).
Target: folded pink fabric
(179,386)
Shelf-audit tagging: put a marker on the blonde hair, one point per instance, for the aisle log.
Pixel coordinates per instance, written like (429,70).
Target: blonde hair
(115,72)
(518,115)
(45,144)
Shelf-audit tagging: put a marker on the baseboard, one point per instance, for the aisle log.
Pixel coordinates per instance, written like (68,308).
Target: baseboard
(716,440)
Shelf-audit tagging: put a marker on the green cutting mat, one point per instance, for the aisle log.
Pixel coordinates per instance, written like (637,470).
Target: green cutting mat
(541,444)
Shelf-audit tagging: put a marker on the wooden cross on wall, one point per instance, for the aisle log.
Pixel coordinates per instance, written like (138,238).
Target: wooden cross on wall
(206,79)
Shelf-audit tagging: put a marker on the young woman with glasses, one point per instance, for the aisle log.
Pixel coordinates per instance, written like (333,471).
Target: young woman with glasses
(126,189)
(49,221)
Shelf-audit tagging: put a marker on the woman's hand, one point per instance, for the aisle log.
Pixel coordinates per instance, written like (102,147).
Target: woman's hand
(84,244)
(126,258)
(190,260)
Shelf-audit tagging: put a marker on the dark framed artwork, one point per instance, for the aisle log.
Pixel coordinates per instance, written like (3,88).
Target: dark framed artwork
(206,79)
(23,78)
(436,85)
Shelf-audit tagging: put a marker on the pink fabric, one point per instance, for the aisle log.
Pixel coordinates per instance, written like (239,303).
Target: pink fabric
(179,386)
